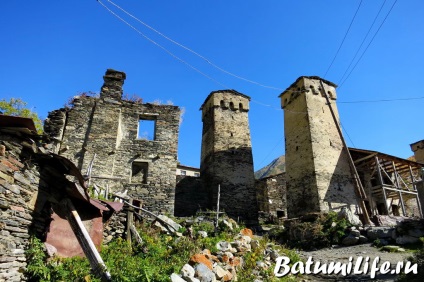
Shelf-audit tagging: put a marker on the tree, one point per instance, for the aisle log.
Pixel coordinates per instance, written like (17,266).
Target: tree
(17,107)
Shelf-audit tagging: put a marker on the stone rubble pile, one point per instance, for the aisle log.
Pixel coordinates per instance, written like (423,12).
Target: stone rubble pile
(226,262)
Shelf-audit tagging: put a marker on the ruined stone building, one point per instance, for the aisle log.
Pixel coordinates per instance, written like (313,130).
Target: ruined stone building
(119,144)
(226,158)
(271,195)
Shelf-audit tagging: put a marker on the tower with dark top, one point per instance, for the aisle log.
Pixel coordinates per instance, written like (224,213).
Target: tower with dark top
(226,158)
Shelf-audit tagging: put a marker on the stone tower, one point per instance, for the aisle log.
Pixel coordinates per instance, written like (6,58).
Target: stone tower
(317,166)
(226,158)
(418,149)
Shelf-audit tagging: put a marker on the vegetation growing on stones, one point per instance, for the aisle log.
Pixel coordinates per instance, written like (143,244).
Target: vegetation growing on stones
(17,107)
(155,260)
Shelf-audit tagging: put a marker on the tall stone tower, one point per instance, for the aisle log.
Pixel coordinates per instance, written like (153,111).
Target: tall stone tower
(227,154)
(317,167)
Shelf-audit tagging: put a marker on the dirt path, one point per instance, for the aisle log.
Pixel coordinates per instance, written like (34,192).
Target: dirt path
(342,255)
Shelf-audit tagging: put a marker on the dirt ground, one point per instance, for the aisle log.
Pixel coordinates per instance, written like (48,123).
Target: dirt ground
(342,254)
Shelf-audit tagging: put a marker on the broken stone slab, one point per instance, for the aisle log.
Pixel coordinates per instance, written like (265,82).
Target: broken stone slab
(406,239)
(176,278)
(350,240)
(374,233)
(173,225)
(187,271)
(202,234)
(204,274)
(223,246)
(362,239)
(349,216)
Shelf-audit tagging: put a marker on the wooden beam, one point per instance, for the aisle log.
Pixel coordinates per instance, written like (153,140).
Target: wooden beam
(87,245)
(130,221)
(359,189)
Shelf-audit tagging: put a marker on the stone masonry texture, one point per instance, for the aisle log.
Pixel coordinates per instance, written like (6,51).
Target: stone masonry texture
(271,195)
(226,157)
(317,171)
(104,131)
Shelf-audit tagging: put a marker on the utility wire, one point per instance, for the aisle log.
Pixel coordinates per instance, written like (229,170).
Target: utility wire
(382,100)
(341,44)
(160,46)
(372,39)
(363,41)
(193,52)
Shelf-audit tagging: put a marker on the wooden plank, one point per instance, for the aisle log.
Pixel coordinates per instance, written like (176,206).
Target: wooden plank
(136,235)
(87,245)
(130,221)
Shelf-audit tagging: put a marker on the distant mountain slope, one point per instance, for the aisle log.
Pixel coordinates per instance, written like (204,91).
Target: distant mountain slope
(277,166)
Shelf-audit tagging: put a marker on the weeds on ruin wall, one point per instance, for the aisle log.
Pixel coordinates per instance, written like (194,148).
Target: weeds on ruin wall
(17,107)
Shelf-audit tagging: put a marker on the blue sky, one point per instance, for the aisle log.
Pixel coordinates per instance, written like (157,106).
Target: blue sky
(52,50)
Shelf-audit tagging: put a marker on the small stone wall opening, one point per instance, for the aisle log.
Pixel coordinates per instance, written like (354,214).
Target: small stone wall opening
(281,214)
(146,128)
(139,172)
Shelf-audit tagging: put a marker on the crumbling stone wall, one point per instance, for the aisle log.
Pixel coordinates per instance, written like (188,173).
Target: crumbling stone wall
(105,129)
(317,170)
(226,157)
(19,186)
(271,195)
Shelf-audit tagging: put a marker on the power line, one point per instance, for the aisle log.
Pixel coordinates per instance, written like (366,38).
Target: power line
(382,100)
(160,46)
(363,41)
(341,44)
(372,39)
(193,52)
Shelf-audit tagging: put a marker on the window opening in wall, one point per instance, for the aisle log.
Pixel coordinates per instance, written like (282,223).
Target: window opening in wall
(183,172)
(196,174)
(240,106)
(146,128)
(139,172)
(280,214)
(232,106)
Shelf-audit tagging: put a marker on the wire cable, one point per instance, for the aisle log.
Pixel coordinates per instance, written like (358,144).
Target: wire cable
(372,39)
(382,100)
(341,44)
(160,46)
(363,41)
(193,52)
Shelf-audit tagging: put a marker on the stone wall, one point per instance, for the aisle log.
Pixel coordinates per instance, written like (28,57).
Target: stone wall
(190,196)
(271,195)
(317,167)
(226,157)
(106,129)
(19,186)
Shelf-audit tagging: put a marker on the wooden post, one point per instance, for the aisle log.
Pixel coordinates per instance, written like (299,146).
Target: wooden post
(217,205)
(359,189)
(130,220)
(87,245)
(398,187)
(380,177)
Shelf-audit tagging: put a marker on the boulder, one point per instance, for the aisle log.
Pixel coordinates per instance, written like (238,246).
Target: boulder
(176,278)
(174,226)
(374,233)
(406,239)
(349,216)
(350,240)
(204,274)
(187,271)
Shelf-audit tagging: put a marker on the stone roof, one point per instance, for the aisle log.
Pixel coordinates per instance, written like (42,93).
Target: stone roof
(232,91)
